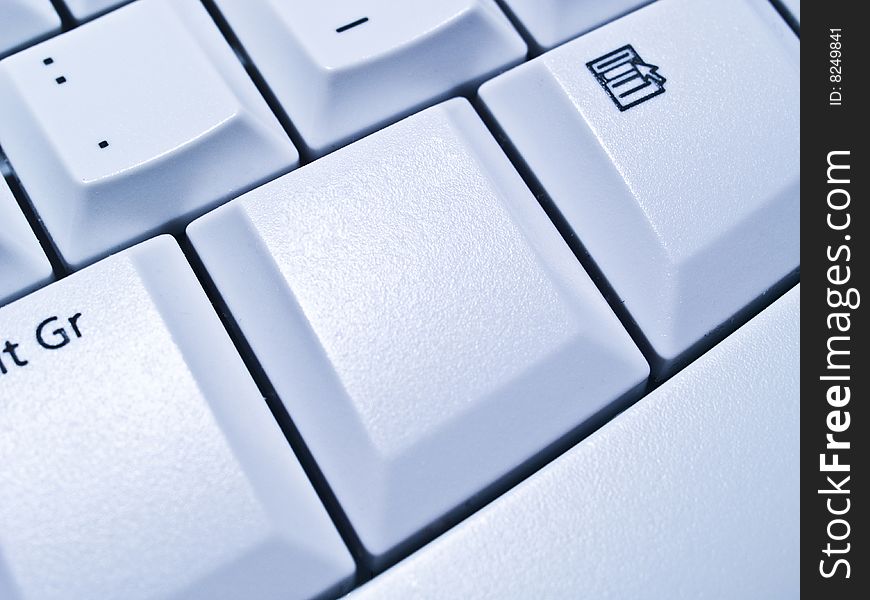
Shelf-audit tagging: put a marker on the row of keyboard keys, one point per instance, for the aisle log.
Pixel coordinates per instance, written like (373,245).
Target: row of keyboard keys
(678,173)
(367,63)
(133,124)
(23,265)
(22,21)
(419,316)
(137,458)
(89,137)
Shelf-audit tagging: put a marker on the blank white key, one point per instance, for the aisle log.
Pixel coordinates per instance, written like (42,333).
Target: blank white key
(23,265)
(343,68)
(421,319)
(551,22)
(23,21)
(85,9)
(138,459)
(133,124)
(678,172)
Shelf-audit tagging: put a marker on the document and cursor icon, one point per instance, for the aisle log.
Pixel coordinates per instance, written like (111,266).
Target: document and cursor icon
(627,78)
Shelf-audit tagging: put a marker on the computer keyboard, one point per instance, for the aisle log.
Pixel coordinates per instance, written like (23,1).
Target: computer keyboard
(226,375)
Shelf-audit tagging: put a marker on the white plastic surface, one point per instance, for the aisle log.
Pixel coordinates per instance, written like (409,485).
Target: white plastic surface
(23,265)
(551,22)
(137,458)
(22,21)
(141,120)
(688,201)
(421,319)
(691,493)
(85,9)
(338,85)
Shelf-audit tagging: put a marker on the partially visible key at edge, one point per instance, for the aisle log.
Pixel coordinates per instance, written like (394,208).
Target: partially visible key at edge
(137,458)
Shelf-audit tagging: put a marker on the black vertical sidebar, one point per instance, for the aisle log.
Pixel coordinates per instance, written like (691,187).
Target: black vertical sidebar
(835,364)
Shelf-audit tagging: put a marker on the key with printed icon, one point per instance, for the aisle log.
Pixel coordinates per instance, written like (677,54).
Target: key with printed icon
(668,140)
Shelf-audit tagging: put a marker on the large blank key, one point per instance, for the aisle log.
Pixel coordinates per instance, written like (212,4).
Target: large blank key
(669,141)
(137,459)
(419,316)
(23,265)
(341,68)
(134,124)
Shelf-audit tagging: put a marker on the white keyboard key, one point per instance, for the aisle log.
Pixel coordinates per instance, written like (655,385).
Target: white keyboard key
(138,459)
(85,9)
(133,124)
(343,68)
(22,21)
(23,265)
(551,22)
(421,319)
(677,170)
